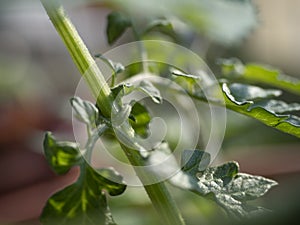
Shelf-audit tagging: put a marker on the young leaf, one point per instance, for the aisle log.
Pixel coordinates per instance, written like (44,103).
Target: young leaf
(234,68)
(148,88)
(186,81)
(117,23)
(83,202)
(140,119)
(122,90)
(223,184)
(145,86)
(115,66)
(179,73)
(61,156)
(85,111)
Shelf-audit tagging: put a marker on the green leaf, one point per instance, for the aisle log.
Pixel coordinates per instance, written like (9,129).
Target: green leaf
(61,156)
(275,106)
(133,119)
(122,90)
(182,74)
(193,160)
(161,25)
(117,23)
(122,118)
(115,66)
(234,68)
(242,93)
(148,88)
(251,101)
(140,120)
(223,184)
(266,111)
(85,111)
(187,81)
(144,86)
(111,180)
(83,202)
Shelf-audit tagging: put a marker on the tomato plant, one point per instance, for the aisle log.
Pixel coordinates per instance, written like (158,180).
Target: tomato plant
(239,87)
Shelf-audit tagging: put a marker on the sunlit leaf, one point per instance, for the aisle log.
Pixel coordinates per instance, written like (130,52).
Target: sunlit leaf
(140,119)
(182,74)
(83,202)
(265,111)
(242,93)
(61,156)
(275,106)
(252,101)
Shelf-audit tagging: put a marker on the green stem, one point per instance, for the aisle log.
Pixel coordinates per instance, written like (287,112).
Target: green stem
(80,55)
(158,192)
(141,47)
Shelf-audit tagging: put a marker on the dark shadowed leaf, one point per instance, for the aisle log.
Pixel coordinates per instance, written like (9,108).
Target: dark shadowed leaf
(117,23)
(161,25)
(193,160)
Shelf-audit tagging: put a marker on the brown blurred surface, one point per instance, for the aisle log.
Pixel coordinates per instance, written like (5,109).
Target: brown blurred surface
(27,180)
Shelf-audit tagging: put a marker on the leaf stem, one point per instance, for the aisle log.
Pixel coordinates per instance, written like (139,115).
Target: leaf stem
(157,192)
(92,139)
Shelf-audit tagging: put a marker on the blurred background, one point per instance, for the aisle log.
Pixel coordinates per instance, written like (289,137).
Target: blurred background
(37,78)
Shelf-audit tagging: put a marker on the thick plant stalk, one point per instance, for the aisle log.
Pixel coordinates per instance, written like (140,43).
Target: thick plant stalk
(158,193)
(80,54)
